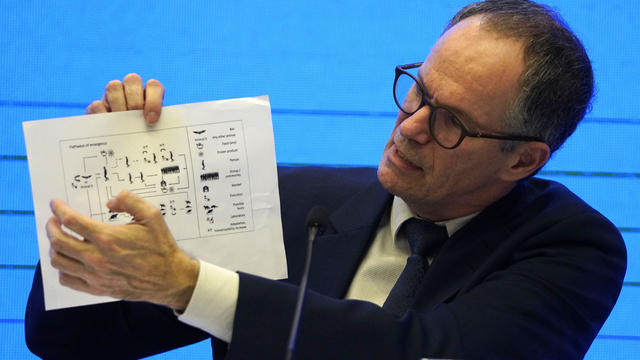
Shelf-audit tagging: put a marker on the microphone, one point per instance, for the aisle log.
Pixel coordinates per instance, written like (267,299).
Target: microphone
(317,220)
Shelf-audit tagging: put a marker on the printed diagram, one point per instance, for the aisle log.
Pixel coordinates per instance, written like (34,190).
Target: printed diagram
(196,176)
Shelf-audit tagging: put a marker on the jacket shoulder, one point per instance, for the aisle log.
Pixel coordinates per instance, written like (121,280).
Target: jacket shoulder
(322,185)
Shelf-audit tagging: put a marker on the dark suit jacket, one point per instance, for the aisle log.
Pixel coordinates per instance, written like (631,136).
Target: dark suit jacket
(534,275)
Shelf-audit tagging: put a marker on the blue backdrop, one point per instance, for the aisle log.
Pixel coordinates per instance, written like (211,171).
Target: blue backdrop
(328,69)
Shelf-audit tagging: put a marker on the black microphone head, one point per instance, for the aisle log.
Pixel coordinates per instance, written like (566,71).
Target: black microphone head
(318,217)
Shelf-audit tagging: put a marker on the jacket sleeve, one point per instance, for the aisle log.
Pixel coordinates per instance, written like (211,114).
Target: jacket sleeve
(117,330)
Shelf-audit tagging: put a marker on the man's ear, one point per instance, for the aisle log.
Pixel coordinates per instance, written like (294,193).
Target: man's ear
(525,160)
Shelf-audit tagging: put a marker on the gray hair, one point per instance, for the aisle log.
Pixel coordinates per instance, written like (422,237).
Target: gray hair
(556,86)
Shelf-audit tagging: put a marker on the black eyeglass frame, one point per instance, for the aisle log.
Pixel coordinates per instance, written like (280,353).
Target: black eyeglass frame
(465,132)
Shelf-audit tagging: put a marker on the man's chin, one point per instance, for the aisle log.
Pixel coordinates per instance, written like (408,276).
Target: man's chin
(389,180)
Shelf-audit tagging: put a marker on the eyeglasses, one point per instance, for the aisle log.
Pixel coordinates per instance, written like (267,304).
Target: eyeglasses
(446,129)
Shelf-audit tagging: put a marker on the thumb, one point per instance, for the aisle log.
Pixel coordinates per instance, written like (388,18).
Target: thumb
(128,202)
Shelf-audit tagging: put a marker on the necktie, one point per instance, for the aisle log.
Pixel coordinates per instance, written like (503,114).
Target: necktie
(424,238)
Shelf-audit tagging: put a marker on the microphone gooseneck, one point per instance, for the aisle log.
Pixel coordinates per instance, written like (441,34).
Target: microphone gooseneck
(317,220)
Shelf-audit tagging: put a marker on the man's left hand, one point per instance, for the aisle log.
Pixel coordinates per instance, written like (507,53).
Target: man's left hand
(136,261)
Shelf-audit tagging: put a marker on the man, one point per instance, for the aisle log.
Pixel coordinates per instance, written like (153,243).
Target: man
(527,269)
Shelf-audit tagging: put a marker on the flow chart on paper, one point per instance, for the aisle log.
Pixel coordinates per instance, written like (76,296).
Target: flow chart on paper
(208,167)
(197,176)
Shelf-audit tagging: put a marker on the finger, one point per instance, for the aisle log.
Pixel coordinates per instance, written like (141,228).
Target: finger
(114,94)
(63,243)
(76,283)
(131,203)
(81,224)
(105,102)
(134,95)
(67,264)
(96,107)
(153,96)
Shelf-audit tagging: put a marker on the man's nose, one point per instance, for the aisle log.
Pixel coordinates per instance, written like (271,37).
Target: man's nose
(416,126)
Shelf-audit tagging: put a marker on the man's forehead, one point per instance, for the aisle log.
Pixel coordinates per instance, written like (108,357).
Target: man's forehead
(473,69)
(470,42)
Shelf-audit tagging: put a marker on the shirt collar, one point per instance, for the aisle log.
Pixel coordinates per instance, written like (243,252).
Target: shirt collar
(400,212)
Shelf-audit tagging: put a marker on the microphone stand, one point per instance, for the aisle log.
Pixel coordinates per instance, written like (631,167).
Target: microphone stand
(316,220)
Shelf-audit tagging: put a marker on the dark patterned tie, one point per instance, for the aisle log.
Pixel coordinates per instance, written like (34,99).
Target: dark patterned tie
(424,239)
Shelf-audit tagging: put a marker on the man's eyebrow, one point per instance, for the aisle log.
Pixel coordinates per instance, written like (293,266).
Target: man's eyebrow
(459,112)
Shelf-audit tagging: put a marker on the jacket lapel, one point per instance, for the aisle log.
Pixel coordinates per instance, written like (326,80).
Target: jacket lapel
(460,262)
(338,252)
(457,265)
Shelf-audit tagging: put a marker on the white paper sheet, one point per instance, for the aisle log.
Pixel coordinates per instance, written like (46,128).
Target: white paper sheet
(209,167)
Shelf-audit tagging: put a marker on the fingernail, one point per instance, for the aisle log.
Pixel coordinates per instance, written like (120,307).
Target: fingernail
(152,118)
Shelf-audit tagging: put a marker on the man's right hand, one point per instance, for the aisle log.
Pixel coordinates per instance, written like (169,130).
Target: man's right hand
(129,95)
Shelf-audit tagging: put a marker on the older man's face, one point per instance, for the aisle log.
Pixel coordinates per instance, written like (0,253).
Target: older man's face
(475,74)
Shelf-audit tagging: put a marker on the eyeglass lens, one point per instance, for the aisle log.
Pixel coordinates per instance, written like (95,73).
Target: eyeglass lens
(444,127)
(408,94)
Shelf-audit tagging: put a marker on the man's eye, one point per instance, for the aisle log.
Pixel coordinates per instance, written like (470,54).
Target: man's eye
(413,97)
(415,91)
